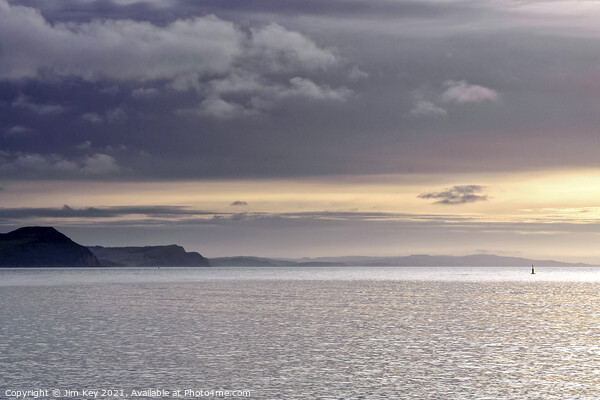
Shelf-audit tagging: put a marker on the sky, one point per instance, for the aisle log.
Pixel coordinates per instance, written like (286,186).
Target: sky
(311,128)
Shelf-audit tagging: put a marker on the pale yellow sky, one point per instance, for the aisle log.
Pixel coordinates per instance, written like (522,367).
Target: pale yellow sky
(564,194)
(542,214)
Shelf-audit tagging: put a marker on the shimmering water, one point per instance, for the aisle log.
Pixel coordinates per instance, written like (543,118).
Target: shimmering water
(304,333)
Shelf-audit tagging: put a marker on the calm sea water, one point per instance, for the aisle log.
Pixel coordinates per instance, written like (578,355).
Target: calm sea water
(302,333)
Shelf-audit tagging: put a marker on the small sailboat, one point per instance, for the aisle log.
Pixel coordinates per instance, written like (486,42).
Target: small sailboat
(532,270)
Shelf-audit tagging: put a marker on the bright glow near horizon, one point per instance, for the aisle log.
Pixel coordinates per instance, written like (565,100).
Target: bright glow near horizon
(526,210)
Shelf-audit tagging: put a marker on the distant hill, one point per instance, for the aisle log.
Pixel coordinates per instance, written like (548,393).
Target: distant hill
(39,246)
(148,256)
(425,260)
(418,260)
(244,261)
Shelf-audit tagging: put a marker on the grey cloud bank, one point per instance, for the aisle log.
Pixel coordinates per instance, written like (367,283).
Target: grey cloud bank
(287,89)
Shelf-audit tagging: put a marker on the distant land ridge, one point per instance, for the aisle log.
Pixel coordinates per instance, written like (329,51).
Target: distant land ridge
(417,260)
(245,261)
(148,256)
(40,246)
(425,260)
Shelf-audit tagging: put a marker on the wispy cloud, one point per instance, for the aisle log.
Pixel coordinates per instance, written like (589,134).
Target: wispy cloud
(98,212)
(424,108)
(145,93)
(465,92)
(112,115)
(38,108)
(457,195)
(18,131)
(98,164)
(187,215)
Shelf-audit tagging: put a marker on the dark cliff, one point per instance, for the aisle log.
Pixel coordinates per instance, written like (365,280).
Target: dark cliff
(38,246)
(149,256)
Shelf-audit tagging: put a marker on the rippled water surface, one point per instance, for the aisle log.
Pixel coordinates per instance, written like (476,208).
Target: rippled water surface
(332,333)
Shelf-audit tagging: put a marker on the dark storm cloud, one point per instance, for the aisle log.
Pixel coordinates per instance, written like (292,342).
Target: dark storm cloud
(221,73)
(166,10)
(234,72)
(183,53)
(457,195)
(246,89)
(336,8)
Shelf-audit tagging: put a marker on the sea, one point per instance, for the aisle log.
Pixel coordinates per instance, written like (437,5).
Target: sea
(300,333)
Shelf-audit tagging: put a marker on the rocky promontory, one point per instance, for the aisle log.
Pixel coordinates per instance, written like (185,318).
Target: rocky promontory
(41,246)
(148,256)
